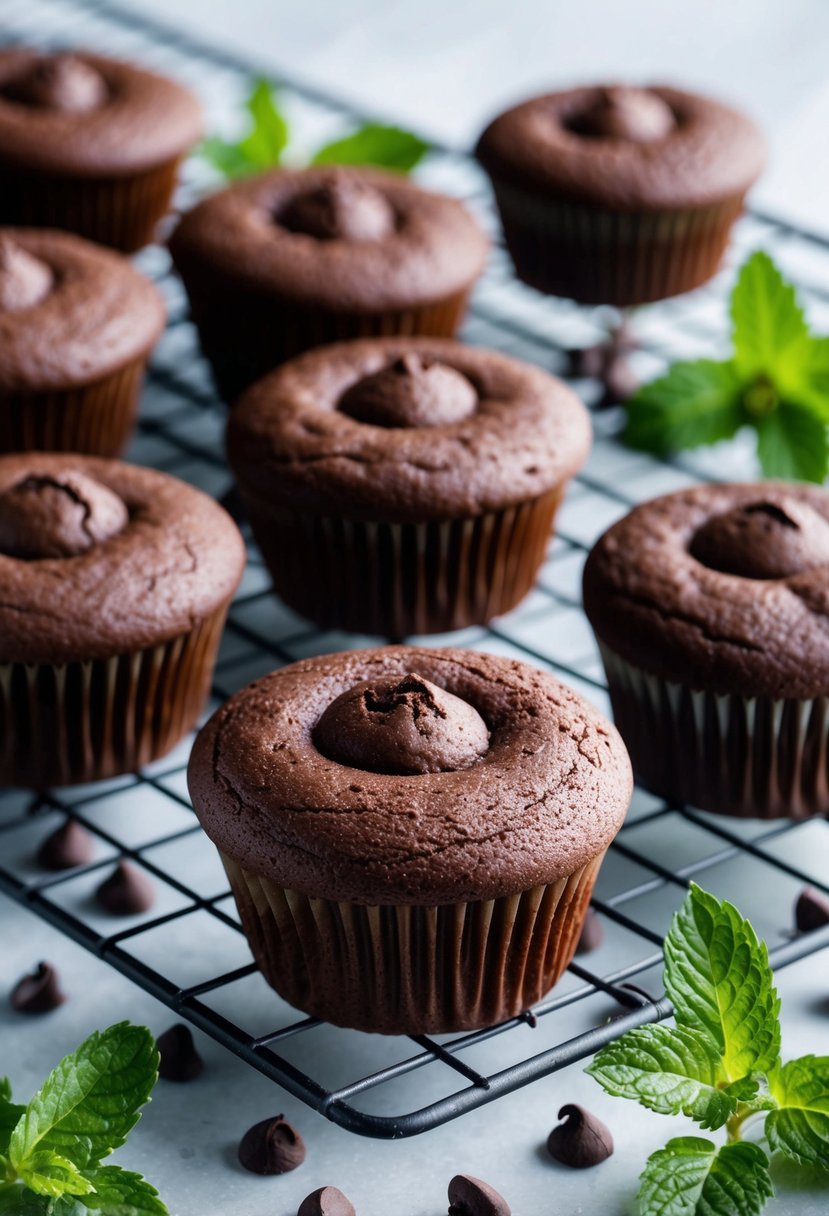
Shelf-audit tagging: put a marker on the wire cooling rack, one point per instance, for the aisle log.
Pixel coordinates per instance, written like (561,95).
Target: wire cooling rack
(188,951)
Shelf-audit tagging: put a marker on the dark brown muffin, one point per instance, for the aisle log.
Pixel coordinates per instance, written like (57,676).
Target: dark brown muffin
(405,486)
(411,835)
(90,144)
(116,581)
(77,324)
(619,195)
(711,607)
(294,259)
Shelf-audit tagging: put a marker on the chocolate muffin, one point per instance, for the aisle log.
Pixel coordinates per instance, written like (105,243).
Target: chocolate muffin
(711,607)
(412,836)
(90,144)
(116,581)
(77,324)
(619,195)
(401,486)
(294,259)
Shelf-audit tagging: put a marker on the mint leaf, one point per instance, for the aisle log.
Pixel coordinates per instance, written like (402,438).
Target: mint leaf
(792,443)
(263,145)
(690,1177)
(718,976)
(672,1070)
(48,1173)
(770,332)
(117,1193)
(800,1127)
(89,1103)
(373,144)
(694,403)
(10,1114)
(17,1201)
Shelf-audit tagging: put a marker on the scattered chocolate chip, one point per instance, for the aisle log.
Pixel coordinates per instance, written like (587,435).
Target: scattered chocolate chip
(811,910)
(619,380)
(68,846)
(608,363)
(39,992)
(587,362)
(469,1196)
(126,892)
(592,933)
(581,1140)
(179,1059)
(327,1201)
(271,1147)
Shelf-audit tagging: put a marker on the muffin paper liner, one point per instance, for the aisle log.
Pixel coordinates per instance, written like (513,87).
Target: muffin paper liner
(121,212)
(244,336)
(408,969)
(753,757)
(599,256)
(401,579)
(96,419)
(87,721)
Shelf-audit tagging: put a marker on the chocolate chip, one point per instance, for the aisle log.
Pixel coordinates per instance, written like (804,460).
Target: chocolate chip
(587,362)
(581,1140)
(592,933)
(811,910)
(68,846)
(619,380)
(179,1059)
(271,1147)
(39,992)
(327,1201)
(469,1196)
(126,892)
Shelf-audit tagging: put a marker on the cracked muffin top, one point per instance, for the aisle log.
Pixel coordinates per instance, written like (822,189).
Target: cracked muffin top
(70,312)
(100,558)
(340,238)
(410,776)
(723,588)
(405,429)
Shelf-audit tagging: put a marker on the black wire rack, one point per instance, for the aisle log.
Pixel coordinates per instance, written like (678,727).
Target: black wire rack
(189,951)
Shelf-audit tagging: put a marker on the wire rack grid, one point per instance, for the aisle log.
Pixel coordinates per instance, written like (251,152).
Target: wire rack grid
(189,951)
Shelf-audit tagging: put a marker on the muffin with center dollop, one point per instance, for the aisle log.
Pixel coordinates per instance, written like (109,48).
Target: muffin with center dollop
(412,836)
(294,259)
(619,195)
(711,607)
(90,144)
(405,486)
(116,582)
(77,324)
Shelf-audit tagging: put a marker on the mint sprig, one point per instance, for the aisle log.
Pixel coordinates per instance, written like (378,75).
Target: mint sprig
(268,136)
(51,1150)
(776,382)
(720,1066)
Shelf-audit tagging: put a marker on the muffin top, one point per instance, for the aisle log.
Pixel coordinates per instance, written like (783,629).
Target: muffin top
(81,115)
(723,588)
(407,429)
(70,312)
(625,148)
(101,558)
(343,239)
(410,776)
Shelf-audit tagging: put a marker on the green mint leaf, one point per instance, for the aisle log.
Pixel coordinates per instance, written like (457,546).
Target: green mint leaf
(10,1113)
(373,144)
(89,1103)
(48,1173)
(672,1070)
(694,403)
(17,1201)
(264,146)
(261,148)
(117,1193)
(770,333)
(814,392)
(792,444)
(718,976)
(689,1177)
(800,1127)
